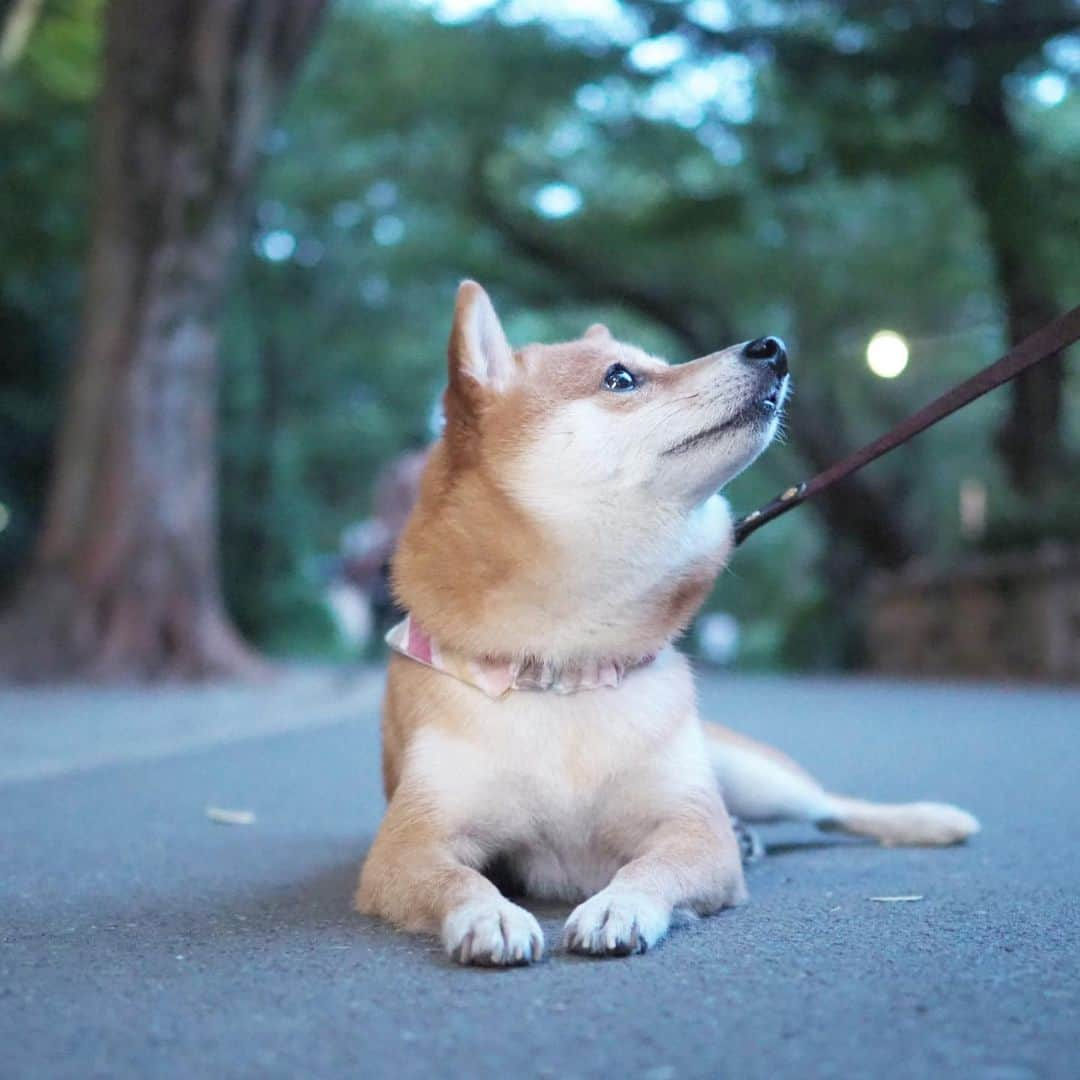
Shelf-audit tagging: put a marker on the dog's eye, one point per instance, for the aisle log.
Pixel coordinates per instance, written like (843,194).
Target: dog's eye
(620,380)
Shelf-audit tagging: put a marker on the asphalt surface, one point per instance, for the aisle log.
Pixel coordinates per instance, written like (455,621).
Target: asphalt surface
(138,938)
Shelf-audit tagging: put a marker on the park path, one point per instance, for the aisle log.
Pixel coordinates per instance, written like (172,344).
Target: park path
(138,938)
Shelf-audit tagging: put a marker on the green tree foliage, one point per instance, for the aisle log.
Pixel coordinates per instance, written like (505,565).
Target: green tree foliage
(44,179)
(692,174)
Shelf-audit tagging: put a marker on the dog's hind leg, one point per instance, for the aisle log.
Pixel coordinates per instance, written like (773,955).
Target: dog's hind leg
(760,784)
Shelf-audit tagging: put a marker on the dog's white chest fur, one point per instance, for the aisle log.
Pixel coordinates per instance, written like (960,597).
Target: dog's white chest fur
(559,790)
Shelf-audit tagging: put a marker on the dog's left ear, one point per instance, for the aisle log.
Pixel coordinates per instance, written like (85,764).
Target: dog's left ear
(598,330)
(479,352)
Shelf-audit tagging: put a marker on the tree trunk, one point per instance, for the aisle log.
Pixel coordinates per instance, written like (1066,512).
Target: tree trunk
(125,579)
(1030,441)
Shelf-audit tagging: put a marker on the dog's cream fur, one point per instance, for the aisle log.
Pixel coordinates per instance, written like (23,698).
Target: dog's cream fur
(559,519)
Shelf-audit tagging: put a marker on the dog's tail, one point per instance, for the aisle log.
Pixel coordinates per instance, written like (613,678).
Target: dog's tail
(916,824)
(761,784)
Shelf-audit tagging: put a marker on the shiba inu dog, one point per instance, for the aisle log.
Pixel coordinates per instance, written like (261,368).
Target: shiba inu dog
(540,729)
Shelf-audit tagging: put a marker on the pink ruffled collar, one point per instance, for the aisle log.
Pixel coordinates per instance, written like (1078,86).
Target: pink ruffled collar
(497,678)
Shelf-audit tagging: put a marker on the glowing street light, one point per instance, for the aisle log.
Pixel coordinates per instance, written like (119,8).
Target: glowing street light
(887,354)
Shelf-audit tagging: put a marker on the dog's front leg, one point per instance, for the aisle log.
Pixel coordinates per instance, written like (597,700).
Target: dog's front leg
(415,877)
(691,860)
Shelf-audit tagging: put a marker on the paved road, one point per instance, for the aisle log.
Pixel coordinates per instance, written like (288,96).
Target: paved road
(139,939)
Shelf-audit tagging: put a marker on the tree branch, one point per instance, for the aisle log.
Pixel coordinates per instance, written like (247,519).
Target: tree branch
(856,509)
(591,280)
(21,19)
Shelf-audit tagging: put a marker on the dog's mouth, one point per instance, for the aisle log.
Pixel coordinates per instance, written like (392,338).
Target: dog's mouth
(758,412)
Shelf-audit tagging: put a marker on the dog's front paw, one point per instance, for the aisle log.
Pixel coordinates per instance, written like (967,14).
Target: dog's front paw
(616,922)
(492,933)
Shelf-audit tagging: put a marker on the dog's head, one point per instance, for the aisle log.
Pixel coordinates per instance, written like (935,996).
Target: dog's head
(587,468)
(582,428)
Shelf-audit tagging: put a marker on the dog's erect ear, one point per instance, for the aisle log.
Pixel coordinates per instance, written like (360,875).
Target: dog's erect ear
(479,351)
(598,330)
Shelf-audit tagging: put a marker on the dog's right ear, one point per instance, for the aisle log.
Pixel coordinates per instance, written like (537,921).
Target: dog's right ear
(480,355)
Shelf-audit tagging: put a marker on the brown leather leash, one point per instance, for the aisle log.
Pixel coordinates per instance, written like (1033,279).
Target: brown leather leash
(1041,345)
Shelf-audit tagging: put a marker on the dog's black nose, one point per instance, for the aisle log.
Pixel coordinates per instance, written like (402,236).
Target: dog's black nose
(770,349)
